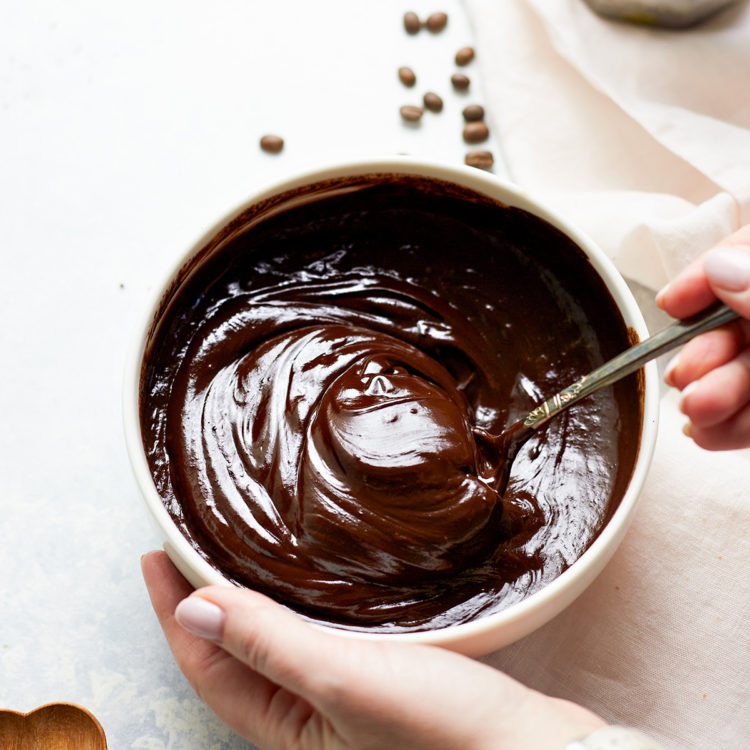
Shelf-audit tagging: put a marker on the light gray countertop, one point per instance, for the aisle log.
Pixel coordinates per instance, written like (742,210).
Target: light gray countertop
(125,129)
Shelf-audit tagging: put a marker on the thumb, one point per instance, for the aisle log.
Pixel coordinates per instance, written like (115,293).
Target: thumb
(727,269)
(271,640)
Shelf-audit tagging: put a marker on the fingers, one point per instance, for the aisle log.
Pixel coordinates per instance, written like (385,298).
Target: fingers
(323,691)
(729,435)
(718,406)
(720,394)
(703,354)
(167,588)
(376,695)
(236,694)
(268,638)
(713,370)
(688,294)
(728,272)
(693,289)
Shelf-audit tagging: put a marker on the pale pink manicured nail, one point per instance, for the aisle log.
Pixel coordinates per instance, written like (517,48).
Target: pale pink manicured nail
(686,391)
(201,617)
(728,268)
(660,295)
(670,368)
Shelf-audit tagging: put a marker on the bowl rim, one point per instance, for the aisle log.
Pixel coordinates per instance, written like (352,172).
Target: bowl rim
(499,628)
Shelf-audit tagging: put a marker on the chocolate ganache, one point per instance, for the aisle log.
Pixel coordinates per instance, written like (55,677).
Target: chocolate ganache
(320,389)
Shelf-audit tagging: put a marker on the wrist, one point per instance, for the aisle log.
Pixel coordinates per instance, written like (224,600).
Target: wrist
(540,722)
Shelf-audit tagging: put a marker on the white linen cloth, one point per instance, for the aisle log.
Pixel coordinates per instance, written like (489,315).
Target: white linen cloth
(641,137)
(660,641)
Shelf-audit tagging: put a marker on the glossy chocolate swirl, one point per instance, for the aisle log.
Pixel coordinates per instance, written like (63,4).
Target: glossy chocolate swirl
(353,447)
(318,395)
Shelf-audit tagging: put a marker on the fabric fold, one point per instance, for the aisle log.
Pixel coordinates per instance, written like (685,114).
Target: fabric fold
(642,136)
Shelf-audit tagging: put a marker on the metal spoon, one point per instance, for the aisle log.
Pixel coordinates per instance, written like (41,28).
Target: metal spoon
(509,442)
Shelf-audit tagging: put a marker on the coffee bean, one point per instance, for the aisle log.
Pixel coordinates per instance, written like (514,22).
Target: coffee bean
(272,143)
(473,112)
(436,21)
(464,56)
(476,132)
(408,76)
(480,159)
(411,113)
(460,81)
(412,24)
(433,102)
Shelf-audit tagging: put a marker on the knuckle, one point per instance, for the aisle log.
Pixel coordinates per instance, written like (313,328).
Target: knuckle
(254,642)
(201,668)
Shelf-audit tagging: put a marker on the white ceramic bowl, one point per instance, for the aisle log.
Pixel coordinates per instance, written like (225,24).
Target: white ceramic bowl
(492,631)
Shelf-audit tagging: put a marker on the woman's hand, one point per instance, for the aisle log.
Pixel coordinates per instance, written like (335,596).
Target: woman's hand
(713,370)
(286,685)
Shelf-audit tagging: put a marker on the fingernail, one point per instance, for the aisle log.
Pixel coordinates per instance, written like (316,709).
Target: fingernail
(660,296)
(686,429)
(686,391)
(728,268)
(670,368)
(201,617)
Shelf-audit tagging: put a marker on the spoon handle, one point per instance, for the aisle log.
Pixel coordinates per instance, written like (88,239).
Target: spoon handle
(631,360)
